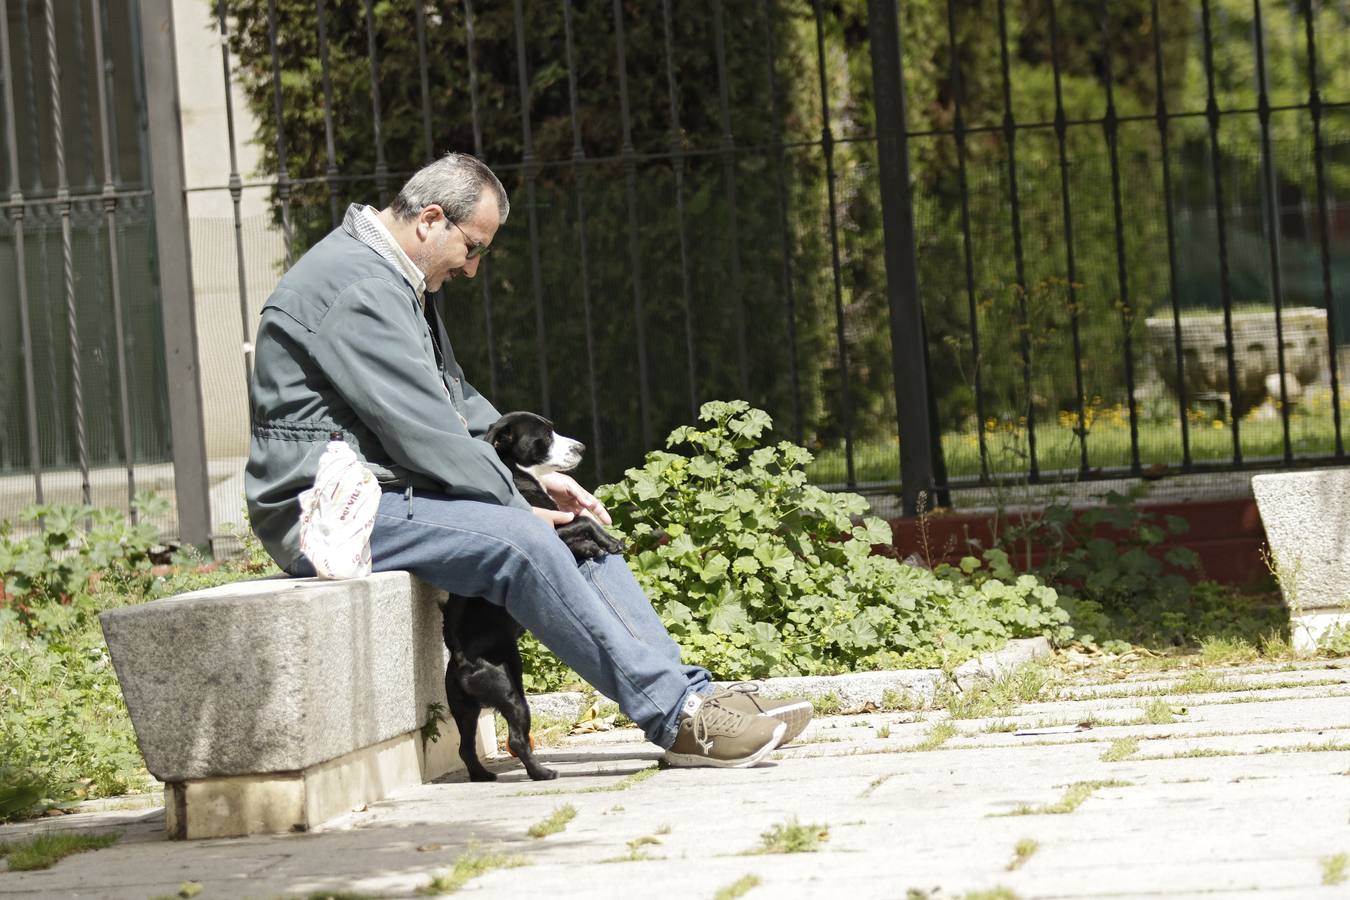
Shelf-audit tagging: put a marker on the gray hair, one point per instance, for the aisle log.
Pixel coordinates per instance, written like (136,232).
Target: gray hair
(455,182)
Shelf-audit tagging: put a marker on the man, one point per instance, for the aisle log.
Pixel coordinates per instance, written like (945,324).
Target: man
(344,346)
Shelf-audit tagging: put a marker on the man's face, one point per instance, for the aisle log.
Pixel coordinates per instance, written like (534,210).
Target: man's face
(446,246)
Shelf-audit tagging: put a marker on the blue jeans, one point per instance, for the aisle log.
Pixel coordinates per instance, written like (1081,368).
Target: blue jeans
(592,614)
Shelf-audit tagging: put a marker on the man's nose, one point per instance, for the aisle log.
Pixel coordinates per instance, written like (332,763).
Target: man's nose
(471,267)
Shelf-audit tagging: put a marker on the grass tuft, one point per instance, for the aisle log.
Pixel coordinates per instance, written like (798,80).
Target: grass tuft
(1073,798)
(468,867)
(555,823)
(791,837)
(1334,868)
(1121,748)
(622,785)
(1023,851)
(828,704)
(46,850)
(997,893)
(1157,712)
(938,735)
(1217,651)
(738,888)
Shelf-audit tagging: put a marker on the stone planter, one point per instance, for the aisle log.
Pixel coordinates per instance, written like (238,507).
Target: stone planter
(1254,353)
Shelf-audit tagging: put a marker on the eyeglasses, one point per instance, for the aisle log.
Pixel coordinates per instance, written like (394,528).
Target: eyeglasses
(476,250)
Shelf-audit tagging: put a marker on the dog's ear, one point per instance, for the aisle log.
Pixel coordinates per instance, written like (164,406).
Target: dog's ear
(501,434)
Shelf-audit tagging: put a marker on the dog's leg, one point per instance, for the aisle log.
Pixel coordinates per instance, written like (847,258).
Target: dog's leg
(465,710)
(518,720)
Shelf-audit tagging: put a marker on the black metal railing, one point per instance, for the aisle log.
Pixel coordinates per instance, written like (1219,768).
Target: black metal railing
(953,231)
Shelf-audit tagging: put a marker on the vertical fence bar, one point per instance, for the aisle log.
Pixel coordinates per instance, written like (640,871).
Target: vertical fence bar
(283,176)
(532,210)
(173,254)
(30,96)
(778,156)
(63,204)
(373,53)
(626,151)
(677,163)
(1071,268)
(1111,128)
(1272,199)
(579,185)
(1164,144)
(1225,289)
(110,110)
(86,134)
(1323,233)
(330,173)
(1019,262)
(16,215)
(827,146)
(421,25)
(488,331)
(110,220)
(727,150)
(236,197)
(959,129)
(908,341)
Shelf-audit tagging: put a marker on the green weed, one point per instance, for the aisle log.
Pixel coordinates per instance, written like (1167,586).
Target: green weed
(1073,798)
(468,867)
(624,784)
(791,837)
(938,735)
(1121,748)
(46,850)
(1023,851)
(555,823)
(738,888)
(1334,868)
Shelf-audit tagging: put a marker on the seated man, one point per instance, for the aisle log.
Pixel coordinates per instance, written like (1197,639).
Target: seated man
(343,346)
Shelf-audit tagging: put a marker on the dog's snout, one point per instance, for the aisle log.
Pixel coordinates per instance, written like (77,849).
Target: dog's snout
(580,447)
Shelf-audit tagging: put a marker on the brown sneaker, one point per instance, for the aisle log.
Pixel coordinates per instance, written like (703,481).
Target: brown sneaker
(744,696)
(712,734)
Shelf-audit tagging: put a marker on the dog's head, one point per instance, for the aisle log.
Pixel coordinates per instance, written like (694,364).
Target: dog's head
(528,442)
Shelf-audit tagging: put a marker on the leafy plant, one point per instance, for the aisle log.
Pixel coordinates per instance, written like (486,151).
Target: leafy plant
(756,572)
(68,552)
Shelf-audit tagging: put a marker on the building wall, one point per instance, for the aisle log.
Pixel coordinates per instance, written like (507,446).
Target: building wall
(222,327)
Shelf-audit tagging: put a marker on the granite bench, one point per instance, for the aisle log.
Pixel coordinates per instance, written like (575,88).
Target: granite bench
(273,705)
(1307,520)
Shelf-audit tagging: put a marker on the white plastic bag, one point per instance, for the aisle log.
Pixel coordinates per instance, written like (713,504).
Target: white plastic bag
(338,514)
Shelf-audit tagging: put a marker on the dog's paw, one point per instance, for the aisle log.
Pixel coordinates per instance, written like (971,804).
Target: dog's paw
(484,775)
(542,774)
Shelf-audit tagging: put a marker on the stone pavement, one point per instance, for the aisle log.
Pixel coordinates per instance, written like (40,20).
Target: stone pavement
(1246,792)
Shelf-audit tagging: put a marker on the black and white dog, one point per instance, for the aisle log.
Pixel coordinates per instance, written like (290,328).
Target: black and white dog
(485,667)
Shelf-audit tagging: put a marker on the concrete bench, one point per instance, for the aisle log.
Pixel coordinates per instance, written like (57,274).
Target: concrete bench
(273,705)
(1307,520)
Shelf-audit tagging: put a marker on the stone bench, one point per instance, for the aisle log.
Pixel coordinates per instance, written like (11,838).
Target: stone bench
(273,705)
(1307,520)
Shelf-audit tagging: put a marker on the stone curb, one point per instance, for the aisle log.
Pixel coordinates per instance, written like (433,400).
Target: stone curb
(854,690)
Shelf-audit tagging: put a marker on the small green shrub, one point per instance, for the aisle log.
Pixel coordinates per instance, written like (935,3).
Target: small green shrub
(755,572)
(70,553)
(64,730)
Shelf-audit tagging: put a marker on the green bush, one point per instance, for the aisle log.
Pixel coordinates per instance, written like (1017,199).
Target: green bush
(70,552)
(64,730)
(757,573)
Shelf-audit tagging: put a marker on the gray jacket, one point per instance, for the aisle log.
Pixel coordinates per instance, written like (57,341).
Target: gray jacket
(343,346)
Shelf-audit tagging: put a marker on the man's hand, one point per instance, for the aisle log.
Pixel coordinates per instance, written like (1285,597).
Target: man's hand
(573,498)
(553,517)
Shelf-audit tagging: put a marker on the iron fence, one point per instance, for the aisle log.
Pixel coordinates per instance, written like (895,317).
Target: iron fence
(963,241)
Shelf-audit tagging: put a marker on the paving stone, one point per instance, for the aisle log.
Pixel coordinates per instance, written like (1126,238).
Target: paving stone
(1203,827)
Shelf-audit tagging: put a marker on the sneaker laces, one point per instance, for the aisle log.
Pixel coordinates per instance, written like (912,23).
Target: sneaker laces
(712,719)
